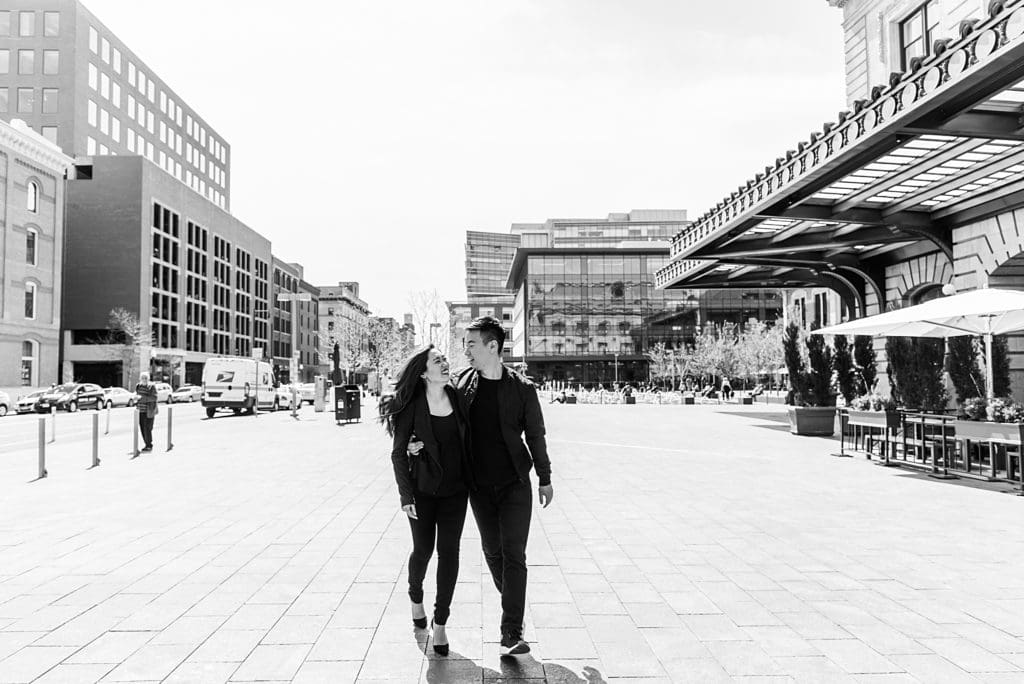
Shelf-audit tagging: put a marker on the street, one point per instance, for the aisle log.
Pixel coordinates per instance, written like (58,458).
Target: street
(684,544)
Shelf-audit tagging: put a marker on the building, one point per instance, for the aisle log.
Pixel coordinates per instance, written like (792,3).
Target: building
(32,247)
(461,314)
(916,187)
(586,310)
(195,278)
(345,320)
(72,80)
(304,345)
(488,258)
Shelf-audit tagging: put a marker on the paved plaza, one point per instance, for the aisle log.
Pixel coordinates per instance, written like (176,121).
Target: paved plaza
(684,544)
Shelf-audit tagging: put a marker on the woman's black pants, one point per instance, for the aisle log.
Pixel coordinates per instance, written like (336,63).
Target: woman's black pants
(440,519)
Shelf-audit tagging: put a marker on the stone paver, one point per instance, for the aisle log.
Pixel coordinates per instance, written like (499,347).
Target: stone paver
(685,544)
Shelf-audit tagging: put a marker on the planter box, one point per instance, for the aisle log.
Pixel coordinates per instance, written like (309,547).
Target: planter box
(570,400)
(630,400)
(747,400)
(689,400)
(812,420)
(984,431)
(875,419)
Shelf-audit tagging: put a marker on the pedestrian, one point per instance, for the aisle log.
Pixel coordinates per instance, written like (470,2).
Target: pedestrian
(726,389)
(503,407)
(147,409)
(433,485)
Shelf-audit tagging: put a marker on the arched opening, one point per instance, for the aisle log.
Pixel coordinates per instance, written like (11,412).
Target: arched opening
(32,197)
(923,293)
(29,363)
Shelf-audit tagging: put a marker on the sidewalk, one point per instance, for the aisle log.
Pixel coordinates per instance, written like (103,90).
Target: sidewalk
(684,544)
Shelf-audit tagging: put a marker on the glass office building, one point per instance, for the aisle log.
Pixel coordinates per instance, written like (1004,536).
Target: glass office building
(588,315)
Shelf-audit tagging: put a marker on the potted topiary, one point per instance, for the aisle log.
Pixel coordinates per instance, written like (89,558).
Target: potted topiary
(873,410)
(812,409)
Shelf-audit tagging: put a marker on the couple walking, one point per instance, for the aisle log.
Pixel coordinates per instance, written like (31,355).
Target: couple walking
(461,439)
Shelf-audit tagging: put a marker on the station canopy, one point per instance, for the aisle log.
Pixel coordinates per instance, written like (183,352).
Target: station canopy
(939,146)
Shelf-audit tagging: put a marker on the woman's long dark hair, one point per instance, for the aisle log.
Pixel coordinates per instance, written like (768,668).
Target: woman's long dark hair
(408,383)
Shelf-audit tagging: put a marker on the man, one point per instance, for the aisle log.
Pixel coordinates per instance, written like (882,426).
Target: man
(503,406)
(147,409)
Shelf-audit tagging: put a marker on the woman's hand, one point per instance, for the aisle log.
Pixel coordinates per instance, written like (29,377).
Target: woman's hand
(410,510)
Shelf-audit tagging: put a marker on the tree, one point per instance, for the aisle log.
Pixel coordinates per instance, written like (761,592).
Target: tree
(819,382)
(916,372)
(865,362)
(386,351)
(842,364)
(661,361)
(1000,366)
(130,338)
(759,349)
(432,319)
(962,366)
(795,363)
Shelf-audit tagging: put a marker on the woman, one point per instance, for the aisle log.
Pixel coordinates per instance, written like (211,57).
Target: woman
(433,485)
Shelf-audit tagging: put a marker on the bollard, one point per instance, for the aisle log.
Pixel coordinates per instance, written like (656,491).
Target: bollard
(96,439)
(42,448)
(53,423)
(295,402)
(107,430)
(170,424)
(135,435)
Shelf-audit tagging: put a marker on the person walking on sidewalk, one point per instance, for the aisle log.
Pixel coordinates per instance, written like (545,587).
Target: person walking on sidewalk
(433,485)
(147,409)
(503,406)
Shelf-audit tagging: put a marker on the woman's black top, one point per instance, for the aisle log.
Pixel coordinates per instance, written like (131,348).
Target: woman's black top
(446,432)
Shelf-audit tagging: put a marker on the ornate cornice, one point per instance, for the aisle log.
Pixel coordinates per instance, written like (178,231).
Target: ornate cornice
(26,143)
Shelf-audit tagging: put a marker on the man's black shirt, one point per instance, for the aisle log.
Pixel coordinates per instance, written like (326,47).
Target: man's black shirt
(492,464)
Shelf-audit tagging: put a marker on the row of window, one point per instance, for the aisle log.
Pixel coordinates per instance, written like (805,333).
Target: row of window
(27,20)
(27,62)
(27,98)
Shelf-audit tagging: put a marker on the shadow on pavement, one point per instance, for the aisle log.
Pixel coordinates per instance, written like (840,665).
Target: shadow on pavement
(457,669)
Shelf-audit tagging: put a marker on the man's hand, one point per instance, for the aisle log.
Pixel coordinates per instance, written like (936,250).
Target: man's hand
(410,510)
(547,493)
(414,447)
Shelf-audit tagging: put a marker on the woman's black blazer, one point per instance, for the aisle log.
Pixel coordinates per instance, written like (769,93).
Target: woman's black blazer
(423,471)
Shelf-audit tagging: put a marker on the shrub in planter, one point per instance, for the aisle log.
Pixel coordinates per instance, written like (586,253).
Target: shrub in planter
(812,412)
(916,372)
(873,410)
(846,374)
(865,361)
(999,420)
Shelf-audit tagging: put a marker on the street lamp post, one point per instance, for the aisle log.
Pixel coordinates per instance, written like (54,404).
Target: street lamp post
(293,364)
(616,354)
(432,326)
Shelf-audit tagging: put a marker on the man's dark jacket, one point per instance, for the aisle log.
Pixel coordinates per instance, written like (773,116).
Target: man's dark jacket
(519,414)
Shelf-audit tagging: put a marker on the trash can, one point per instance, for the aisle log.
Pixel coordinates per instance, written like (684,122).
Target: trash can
(347,403)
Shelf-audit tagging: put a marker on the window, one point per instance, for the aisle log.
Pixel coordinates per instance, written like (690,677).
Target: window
(916,33)
(49,100)
(26,24)
(92,113)
(149,91)
(94,40)
(51,62)
(28,363)
(104,121)
(26,62)
(32,197)
(5,23)
(115,128)
(117,61)
(4,100)
(90,146)
(105,50)
(131,73)
(104,86)
(94,77)
(115,94)
(26,100)
(50,133)
(30,301)
(30,246)
(131,107)
(130,138)
(51,24)
(5,61)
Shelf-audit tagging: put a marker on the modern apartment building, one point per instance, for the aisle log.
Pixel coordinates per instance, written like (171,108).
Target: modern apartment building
(196,278)
(31,245)
(488,258)
(72,80)
(304,344)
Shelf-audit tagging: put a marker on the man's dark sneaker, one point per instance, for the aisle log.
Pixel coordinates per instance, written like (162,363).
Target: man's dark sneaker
(148,448)
(513,645)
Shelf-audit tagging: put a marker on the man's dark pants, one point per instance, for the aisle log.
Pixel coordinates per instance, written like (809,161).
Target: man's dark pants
(146,427)
(503,516)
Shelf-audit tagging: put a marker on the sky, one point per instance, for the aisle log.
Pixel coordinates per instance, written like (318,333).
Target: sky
(368,135)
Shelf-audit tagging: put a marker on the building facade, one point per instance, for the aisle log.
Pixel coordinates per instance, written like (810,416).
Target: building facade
(461,314)
(488,259)
(31,245)
(916,187)
(72,80)
(194,277)
(345,321)
(295,336)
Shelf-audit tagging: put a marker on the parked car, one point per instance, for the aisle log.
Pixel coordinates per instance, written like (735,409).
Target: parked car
(27,402)
(71,396)
(5,403)
(163,392)
(186,393)
(307,390)
(119,396)
(283,398)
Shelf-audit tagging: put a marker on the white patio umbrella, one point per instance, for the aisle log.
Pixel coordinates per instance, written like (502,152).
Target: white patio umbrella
(985,312)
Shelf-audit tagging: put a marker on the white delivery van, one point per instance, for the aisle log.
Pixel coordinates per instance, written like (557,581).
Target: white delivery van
(237,383)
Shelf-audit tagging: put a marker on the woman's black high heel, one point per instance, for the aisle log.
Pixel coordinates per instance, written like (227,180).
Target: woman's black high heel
(420,622)
(440,649)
